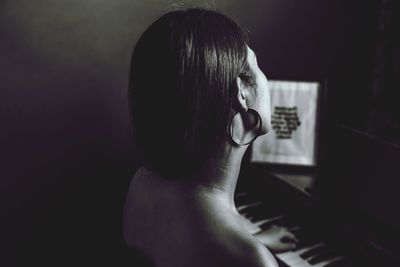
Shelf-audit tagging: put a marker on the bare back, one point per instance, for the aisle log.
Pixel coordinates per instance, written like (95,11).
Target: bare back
(177,226)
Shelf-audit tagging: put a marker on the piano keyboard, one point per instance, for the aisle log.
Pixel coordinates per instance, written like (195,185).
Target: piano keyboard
(311,251)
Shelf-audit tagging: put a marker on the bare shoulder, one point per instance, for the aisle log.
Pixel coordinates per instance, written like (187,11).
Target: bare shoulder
(241,249)
(195,231)
(230,244)
(231,250)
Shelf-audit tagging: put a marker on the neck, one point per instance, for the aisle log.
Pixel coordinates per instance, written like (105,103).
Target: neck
(219,176)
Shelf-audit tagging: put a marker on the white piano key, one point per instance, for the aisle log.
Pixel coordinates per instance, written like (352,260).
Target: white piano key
(296,254)
(297,263)
(242,207)
(263,221)
(250,227)
(254,227)
(292,258)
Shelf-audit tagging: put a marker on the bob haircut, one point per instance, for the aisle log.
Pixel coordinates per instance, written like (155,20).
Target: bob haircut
(181,90)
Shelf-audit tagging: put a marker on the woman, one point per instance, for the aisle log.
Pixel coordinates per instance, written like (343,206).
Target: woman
(198,99)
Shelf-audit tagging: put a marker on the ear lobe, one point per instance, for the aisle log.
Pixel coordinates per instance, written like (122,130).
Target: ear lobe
(241,99)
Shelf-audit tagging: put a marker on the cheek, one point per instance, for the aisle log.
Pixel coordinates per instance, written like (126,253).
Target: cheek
(268,99)
(265,100)
(265,106)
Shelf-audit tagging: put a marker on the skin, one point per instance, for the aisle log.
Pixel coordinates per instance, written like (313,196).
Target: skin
(194,222)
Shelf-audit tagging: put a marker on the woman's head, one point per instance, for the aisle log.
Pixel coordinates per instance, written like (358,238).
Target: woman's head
(183,87)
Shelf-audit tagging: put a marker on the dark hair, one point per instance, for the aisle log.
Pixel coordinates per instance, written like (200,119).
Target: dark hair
(181,88)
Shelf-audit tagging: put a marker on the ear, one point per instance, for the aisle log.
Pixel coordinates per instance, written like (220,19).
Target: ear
(241,95)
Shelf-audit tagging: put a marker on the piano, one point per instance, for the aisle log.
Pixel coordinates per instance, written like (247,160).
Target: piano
(337,224)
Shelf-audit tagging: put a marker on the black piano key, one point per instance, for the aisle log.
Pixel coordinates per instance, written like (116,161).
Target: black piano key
(305,238)
(282,221)
(250,209)
(302,245)
(323,256)
(281,263)
(313,252)
(255,213)
(246,199)
(259,212)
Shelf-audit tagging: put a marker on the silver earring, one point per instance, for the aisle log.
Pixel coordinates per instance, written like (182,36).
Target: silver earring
(233,134)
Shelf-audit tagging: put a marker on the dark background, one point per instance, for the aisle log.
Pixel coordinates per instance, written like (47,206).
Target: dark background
(65,149)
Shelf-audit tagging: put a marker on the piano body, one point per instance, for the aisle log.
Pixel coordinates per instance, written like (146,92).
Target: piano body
(344,215)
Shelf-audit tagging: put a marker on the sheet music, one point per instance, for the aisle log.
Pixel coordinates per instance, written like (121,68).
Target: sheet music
(294,113)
